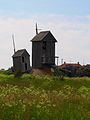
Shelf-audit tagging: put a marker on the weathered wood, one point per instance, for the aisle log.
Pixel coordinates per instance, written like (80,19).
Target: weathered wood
(21,61)
(43,50)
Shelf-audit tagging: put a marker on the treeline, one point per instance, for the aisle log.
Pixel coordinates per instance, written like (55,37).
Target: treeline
(69,71)
(72,71)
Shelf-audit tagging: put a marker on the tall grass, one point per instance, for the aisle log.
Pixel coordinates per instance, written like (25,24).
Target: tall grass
(44,98)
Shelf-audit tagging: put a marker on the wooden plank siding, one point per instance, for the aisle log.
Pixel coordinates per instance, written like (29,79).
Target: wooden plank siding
(21,61)
(43,50)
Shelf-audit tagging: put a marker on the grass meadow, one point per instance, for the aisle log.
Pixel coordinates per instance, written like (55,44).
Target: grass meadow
(44,98)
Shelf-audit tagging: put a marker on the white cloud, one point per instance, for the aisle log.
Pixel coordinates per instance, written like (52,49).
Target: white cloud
(73,36)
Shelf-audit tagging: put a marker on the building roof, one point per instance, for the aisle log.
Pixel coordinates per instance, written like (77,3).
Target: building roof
(20,53)
(41,36)
(70,65)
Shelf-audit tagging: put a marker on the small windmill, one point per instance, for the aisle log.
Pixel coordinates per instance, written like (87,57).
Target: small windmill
(13,43)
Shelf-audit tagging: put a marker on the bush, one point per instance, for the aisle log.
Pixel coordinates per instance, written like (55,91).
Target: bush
(84,71)
(17,74)
(58,73)
(6,72)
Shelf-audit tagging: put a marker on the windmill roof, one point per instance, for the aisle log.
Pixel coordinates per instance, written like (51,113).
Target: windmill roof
(20,52)
(41,36)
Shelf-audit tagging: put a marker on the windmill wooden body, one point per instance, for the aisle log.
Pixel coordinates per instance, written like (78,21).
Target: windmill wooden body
(21,61)
(43,50)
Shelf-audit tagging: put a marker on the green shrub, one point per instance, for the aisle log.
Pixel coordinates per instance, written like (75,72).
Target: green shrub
(17,74)
(6,72)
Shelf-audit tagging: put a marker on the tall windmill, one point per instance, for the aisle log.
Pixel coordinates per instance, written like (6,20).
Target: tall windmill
(13,43)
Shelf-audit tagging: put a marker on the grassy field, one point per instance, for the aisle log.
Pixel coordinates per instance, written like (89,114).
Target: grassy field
(44,98)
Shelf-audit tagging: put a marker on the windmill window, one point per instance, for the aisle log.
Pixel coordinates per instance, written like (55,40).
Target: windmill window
(44,44)
(23,59)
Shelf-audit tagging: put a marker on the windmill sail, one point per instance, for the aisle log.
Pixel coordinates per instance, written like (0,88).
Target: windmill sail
(36,29)
(13,43)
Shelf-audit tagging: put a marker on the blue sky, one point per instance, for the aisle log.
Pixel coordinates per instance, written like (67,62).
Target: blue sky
(68,20)
(24,8)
